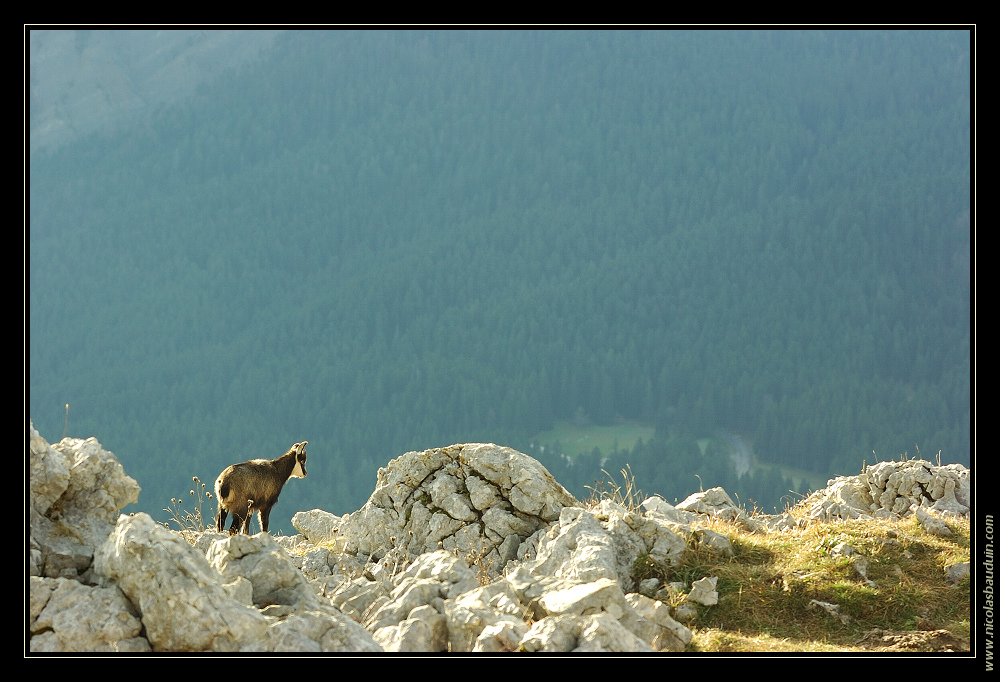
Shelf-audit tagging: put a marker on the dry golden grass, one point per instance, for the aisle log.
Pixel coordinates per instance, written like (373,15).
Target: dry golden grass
(196,520)
(767,586)
(627,495)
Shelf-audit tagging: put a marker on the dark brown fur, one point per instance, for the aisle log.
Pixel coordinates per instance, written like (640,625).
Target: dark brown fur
(244,488)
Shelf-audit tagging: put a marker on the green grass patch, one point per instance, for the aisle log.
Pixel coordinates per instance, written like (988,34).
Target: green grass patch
(812,480)
(581,440)
(767,588)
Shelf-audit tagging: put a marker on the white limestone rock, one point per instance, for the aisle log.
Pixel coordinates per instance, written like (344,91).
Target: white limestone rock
(664,633)
(832,609)
(270,570)
(468,617)
(948,490)
(180,597)
(860,565)
(956,573)
(577,548)
(315,563)
(360,597)
(657,506)
(317,526)
(76,490)
(893,489)
(932,524)
(504,635)
(48,472)
(686,612)
(595,633)
(715,502)
(582,598)
(425,629)
(478,499)
(703,591)
(844,497)
(67,616)
(241,590)
(316,630)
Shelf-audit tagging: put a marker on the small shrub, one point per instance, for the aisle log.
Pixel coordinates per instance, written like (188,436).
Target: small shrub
(194,519)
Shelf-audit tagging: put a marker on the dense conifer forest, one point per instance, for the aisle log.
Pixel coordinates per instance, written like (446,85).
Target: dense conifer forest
(394,240)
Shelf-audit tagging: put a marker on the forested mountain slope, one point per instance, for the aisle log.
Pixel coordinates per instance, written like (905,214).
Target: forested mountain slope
(387,241)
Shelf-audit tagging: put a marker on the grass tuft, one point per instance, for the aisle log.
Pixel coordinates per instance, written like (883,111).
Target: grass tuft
(193,520)
(627,495)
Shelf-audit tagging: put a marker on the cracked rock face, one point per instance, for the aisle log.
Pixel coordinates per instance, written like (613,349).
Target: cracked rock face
(66,615)
(479,499)
(77,488)
(894,488)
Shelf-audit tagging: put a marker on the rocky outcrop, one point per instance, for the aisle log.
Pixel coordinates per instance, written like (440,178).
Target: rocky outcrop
(181,599)
(893,490)
(76,490)
(469,548)
(463,546)
(478,498)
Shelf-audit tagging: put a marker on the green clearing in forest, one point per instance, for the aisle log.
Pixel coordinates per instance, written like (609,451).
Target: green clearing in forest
(580,440)
(813,480)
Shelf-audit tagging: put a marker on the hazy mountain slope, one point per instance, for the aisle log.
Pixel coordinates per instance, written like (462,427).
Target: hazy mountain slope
(397,240)
(91,81)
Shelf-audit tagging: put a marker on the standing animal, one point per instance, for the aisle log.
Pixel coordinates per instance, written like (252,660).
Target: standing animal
(242,489)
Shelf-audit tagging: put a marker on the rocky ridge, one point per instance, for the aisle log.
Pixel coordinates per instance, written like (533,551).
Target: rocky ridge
(468,548)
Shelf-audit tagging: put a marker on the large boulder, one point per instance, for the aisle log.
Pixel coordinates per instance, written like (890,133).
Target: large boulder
(180,597)
(317,526)
(76,491)
(66,615)
(478,499)
(270,571)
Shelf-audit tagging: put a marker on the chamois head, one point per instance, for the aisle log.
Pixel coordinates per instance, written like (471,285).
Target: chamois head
(299,452)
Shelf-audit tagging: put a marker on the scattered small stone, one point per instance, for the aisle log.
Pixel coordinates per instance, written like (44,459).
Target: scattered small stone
(843,549)
(861,567)
(832,609)
(956,573)
(703,591)
(932,524)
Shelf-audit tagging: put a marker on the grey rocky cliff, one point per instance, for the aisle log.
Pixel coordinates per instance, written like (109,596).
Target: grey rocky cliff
(468,548)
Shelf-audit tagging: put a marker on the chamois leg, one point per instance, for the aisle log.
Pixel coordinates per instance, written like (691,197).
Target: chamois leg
(220,519)
(265,515)
(239,524)
(248,517)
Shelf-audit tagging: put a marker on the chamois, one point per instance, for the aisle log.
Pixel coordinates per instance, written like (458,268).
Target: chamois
(242,489)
